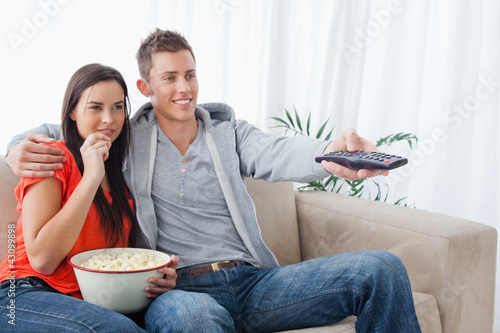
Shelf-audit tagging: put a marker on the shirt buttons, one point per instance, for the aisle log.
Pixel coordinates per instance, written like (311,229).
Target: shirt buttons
(182,181)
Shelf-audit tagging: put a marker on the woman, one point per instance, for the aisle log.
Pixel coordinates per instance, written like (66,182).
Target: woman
(84,206)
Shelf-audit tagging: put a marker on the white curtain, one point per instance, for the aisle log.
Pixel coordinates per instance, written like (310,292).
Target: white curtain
(427,67)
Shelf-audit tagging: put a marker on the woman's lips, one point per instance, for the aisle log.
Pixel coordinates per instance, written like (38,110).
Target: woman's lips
(107,132)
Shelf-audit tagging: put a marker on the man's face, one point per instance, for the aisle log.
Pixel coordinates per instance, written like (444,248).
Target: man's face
(173,86)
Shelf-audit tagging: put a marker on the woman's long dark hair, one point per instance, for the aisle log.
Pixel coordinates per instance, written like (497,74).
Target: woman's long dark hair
(111,214)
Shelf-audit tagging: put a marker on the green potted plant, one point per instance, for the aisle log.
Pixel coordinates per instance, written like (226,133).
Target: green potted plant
(374,190)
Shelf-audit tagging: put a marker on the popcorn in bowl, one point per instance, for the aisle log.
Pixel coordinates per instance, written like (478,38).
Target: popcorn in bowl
(123,261)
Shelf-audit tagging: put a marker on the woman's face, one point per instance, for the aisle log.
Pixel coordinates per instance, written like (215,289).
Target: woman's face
(100,109)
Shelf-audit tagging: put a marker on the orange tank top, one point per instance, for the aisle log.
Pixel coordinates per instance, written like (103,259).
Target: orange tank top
(91,237)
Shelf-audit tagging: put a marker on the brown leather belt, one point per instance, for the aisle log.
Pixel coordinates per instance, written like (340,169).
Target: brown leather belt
(213,267)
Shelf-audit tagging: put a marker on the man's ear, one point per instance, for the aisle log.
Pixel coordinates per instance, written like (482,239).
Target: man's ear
(143,87)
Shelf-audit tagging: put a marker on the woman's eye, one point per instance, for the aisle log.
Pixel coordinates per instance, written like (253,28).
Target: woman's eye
(95,107)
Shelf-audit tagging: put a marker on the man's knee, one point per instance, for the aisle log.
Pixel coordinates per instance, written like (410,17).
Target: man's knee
(386,268)
(181,311)
(388,262)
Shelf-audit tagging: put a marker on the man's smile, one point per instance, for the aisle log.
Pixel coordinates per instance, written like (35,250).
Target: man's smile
(182,101)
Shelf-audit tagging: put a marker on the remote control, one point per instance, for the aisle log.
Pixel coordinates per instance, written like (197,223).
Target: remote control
(364,160)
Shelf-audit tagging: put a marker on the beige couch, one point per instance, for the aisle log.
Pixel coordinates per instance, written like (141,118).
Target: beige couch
(451,262)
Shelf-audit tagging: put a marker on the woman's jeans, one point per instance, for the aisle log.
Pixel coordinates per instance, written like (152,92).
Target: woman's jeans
(31,305)
(372,285)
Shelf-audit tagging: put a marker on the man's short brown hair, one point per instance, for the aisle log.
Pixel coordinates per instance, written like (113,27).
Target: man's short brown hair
(159,41)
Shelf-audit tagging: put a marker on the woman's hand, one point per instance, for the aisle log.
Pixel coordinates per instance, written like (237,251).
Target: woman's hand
(95,150)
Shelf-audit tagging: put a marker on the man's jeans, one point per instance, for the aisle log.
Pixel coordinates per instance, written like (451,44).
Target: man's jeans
(31,305)
(372,285)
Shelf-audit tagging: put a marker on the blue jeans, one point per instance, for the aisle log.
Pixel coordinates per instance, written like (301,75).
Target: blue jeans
(31,305)
(372,285)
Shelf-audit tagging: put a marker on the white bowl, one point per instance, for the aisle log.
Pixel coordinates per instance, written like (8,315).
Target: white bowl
(120,291)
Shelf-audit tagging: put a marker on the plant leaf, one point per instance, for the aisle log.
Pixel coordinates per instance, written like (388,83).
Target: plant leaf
(281,121)
(390,139)
(289,116)
(308,124)
(297,119)
(329,135)
(321,129)
(397,203)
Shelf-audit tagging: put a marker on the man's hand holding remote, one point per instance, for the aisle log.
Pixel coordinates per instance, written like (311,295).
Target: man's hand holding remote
(350,141)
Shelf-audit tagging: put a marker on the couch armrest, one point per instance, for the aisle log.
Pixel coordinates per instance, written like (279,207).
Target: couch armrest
(451,258)
(8,204)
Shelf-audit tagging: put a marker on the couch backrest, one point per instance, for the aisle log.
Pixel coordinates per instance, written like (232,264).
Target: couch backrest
(8,203)
(277,215)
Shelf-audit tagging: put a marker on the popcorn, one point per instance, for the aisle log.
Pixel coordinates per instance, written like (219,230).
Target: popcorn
(123,261)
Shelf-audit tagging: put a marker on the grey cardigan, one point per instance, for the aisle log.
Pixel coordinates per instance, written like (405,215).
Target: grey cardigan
(245,151)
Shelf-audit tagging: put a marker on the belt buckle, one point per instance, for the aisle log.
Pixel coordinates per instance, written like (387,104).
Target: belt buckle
(215,265)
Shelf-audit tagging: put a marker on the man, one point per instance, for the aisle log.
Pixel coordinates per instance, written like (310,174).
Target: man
(186,170)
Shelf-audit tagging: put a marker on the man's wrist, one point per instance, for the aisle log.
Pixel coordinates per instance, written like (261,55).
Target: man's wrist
(9,148)
(7,154)
(328,148)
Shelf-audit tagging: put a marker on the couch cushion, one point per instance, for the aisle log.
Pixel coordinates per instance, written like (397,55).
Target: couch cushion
(277,216)
(425,306)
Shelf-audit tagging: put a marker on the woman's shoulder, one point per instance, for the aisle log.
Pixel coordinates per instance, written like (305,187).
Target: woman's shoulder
(66,174)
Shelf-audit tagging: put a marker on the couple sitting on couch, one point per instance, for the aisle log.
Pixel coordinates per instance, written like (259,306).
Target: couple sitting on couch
(184,169)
